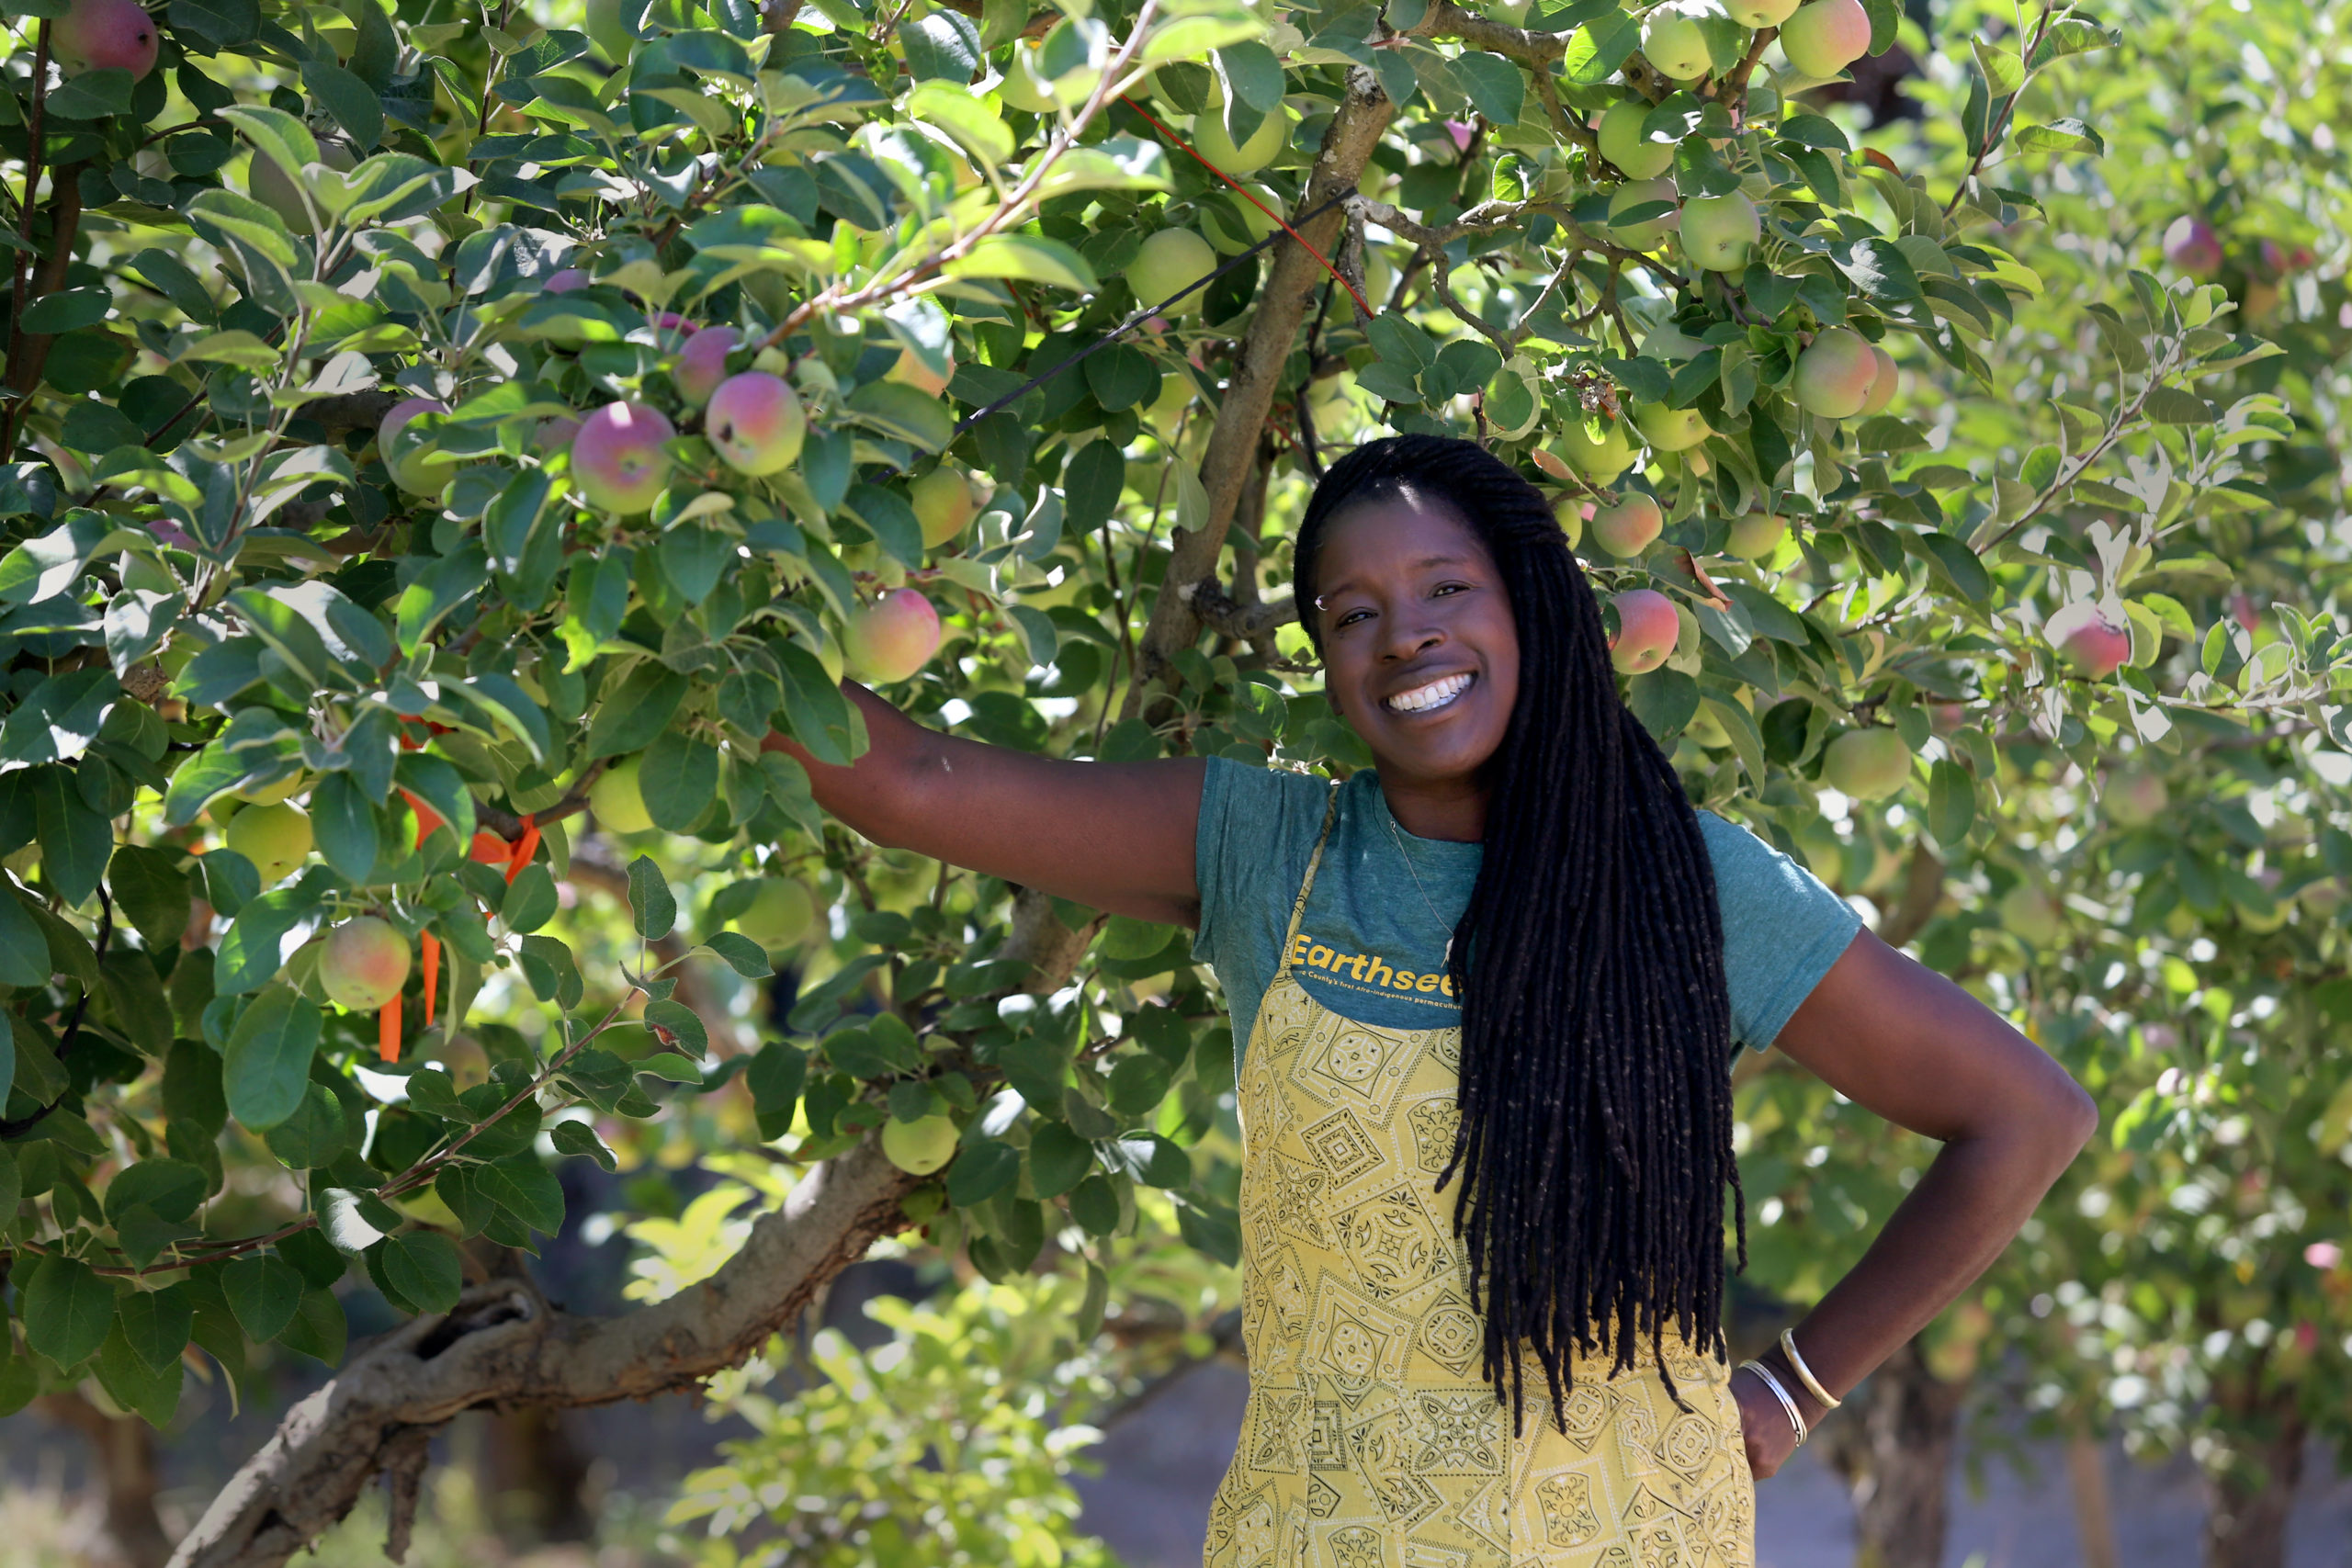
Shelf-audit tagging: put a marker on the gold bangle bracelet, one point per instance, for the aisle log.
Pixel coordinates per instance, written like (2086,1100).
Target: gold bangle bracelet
(1805,1373)
(1796,1416)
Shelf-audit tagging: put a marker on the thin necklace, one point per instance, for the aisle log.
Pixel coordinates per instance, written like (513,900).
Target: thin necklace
(1407,855)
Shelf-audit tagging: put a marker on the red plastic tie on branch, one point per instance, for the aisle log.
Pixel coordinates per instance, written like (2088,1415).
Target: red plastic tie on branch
(1250,197)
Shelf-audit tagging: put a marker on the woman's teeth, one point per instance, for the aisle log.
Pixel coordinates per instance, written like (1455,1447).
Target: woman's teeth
(1436,695)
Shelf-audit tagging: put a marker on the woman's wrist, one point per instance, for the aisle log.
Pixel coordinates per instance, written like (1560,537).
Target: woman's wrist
(1809,1407)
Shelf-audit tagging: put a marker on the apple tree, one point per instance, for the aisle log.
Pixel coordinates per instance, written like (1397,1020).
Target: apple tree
(442,445)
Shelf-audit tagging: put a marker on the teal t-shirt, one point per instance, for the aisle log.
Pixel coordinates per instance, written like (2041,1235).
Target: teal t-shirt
(1371,946)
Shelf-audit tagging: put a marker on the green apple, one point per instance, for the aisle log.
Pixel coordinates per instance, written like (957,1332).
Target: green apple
(921,1147)
(1622,141)
(617,800)
(1670,430)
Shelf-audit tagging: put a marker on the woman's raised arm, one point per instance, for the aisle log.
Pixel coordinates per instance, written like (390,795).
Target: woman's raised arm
(1115,836)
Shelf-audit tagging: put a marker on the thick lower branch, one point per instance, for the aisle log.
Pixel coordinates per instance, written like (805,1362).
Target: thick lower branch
(506,1348)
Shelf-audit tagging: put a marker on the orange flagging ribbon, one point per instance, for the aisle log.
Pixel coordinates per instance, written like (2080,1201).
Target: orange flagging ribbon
(524,848)
(388,1031)
(431,945)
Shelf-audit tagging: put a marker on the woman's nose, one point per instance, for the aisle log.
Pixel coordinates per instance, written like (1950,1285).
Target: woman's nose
(1409,639)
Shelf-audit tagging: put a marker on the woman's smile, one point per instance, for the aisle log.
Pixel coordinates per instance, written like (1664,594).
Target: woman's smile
(1431,696)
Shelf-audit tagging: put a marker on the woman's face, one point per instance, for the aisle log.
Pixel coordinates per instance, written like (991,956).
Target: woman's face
(1420,652)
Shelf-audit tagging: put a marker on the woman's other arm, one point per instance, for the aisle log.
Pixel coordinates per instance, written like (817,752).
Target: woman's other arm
(1899,1039)
(1115,836)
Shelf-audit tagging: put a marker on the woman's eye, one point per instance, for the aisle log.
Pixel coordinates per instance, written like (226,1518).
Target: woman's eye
(1444,588)
(1351,618)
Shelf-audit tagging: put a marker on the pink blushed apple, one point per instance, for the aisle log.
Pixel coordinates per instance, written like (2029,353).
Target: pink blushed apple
(1647,630)
(893,637)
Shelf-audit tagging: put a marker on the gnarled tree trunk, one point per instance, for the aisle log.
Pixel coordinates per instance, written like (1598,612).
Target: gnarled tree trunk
(1893,1445)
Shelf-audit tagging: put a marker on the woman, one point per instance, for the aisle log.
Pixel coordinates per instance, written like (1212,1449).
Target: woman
(1514,961)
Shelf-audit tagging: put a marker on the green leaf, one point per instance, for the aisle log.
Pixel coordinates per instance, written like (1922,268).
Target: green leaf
(1252,74)
(343,823)
(678,777)
(156,1323)
(93,95)
(1025,258)
(2068,135)
(352,102)
(579,1138)
(266,1069)
(674,1022)
(942,46)
(67,1309)
(1494,83)
(981,1173)
(424,1267)
(131,1383)
(251,953)
(171,1187)
(264,1292)
(531,899)
(2170,405)
(150,891)
(1599,47)
(75,841)
(628,718)
(1059,1159)
(1139,1084)
(1951,804)
(67,309)
(314,1135)
(443,586)
(548,967)
(652,906)
(526,1189)
(743,955)
(669,1066)
(280,137)
(24,952)
(320,1330)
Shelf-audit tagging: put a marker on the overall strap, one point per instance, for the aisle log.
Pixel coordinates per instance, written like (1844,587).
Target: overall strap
(1298,910)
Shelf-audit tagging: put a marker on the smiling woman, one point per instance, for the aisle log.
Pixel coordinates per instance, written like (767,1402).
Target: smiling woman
(1512,959)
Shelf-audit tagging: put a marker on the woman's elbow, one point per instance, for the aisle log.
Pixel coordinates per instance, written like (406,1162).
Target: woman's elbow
(2067,1117)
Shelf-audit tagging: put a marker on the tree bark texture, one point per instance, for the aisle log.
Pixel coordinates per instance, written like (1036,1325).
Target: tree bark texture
(2251,1477)
(122,1454)
(1283,304)
(1893,1445)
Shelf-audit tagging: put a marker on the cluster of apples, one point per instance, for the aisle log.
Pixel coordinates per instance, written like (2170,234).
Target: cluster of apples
(1819,39)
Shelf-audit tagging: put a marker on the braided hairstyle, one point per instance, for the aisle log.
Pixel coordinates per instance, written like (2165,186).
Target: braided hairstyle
(1595,1131)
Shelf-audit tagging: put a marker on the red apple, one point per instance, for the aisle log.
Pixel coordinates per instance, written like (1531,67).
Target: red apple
(893,637)
(103,34)
(364,963)
(2191,245)
(2095,641)
(1647,628)
(1628,528)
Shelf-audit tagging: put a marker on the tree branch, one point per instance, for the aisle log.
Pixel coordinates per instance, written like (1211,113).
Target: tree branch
(1364,112)
(504,1346)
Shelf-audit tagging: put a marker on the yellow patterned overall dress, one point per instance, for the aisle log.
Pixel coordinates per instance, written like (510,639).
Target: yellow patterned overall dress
(1371,1439)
